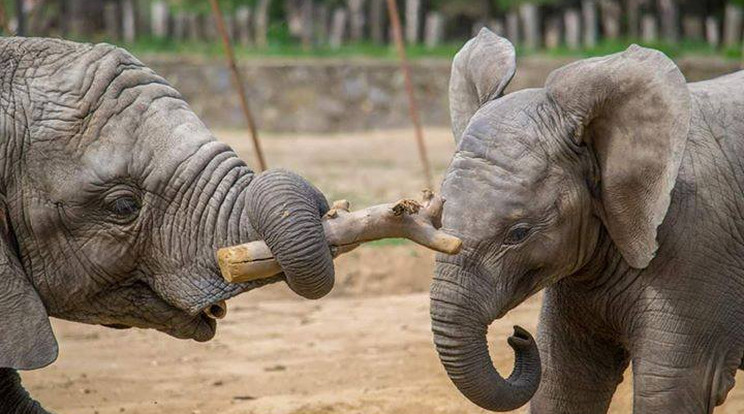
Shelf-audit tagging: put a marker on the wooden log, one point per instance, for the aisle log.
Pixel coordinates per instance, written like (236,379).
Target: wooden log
(345,230)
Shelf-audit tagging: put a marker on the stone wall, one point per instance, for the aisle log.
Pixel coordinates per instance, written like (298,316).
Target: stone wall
(332,95)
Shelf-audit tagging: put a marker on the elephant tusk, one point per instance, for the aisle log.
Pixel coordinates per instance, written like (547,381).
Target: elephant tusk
(344,231)
(217,310)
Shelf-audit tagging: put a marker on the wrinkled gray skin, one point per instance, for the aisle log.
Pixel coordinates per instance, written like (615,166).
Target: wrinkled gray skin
(617,188)
(114,197)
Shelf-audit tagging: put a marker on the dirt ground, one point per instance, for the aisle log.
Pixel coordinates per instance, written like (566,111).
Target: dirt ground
(366,348)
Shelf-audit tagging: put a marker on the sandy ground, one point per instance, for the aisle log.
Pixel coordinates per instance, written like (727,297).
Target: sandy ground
(366,348)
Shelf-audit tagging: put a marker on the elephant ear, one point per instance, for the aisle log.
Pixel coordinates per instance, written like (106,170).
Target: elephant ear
(633,111)
(480,72)
(26,337)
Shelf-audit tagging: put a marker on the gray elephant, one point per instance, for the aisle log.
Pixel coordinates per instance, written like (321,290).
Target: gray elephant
(617,188)
(114,197)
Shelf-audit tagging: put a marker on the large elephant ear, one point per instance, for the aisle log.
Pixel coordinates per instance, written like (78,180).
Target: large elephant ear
(480,72)
(26,337)
(633,111)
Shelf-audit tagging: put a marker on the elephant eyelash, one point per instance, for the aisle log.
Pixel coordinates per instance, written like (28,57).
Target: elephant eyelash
(518,234)
(123,205)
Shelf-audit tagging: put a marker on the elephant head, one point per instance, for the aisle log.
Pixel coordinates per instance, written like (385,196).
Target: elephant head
(114,197)
(538,178)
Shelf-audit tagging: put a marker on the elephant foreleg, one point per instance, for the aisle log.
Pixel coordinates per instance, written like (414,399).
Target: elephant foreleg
(14,399)
(581,364)
(676,373)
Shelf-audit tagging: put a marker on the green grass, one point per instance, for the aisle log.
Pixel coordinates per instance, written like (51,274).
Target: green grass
(389,242)
(289,49)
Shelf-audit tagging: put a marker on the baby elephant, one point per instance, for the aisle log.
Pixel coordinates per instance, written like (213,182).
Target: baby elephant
(618,188)
(114,197)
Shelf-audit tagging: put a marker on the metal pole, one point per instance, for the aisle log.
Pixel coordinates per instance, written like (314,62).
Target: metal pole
(238,83)
(412,108)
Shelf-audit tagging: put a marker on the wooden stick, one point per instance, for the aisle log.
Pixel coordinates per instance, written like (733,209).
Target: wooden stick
(238,83)
(412,107)
(345,230)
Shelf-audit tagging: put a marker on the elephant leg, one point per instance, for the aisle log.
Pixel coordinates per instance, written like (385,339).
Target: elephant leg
(681,374)
(581,363)
(13,398)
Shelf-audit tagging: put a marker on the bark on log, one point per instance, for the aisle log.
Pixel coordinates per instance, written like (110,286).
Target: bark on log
(345,230)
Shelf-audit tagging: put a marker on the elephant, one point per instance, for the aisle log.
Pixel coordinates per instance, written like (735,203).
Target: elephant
(114,198)
(616,190)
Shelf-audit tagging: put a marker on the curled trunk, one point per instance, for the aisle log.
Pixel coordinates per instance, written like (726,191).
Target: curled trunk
(286,212)
(461,310)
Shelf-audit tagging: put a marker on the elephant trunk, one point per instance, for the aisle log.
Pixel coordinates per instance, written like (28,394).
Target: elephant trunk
(13,398)
(286,212)
(462,307)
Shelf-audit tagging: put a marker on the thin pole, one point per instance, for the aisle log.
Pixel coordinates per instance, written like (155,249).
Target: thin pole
(238,83)
(412,107)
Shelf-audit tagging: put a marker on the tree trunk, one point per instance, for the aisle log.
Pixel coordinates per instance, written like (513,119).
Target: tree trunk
(434,30)
(669,20)
(243,25)
(320,18)
(111,21)
(338,28)
(413,13)
(129,28)
(572,25)
(611,15)
(693,27)
(712,31)
(634,22)
(589,11)
(179,26)
(531,24)
(732,25)
(649,29)
(377,21)
(84,17)
(262,23)
(512,27)
(553,32)
(356,19)
(159,19)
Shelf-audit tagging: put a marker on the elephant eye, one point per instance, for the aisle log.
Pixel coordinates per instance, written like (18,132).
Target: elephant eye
(125,207)
(517,234)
